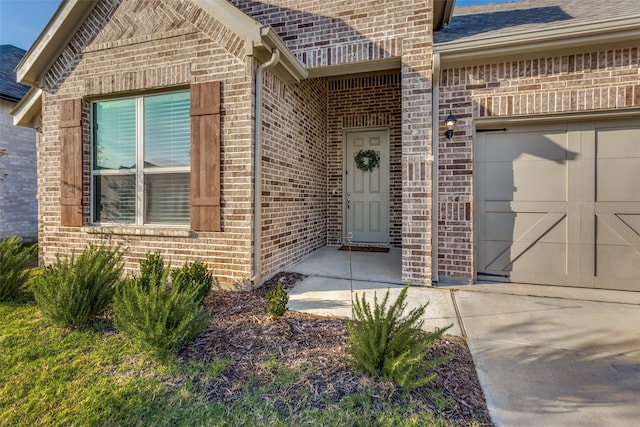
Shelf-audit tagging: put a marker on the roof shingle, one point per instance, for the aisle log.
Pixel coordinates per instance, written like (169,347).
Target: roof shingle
(498,19)
(10,90)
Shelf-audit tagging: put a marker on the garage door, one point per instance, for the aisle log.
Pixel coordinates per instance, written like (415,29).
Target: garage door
(559,204)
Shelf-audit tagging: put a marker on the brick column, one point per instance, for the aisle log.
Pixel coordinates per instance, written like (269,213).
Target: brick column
(417,159)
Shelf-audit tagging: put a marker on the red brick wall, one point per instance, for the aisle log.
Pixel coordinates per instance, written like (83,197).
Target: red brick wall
(113,54)
(367,101)
(323,34)
(171,44)
(294,165)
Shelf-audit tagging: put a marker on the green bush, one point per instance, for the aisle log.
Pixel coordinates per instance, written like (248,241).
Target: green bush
(15,258)
(195,276)
(278,299)
(74,291)
(384,342)
(151,268)
(157,317)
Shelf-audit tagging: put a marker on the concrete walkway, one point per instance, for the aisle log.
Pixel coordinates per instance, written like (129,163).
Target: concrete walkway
(545,356)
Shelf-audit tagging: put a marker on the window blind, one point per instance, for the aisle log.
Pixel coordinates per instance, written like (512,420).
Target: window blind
(167,133)
(167,198)
(115,135)
(159,191)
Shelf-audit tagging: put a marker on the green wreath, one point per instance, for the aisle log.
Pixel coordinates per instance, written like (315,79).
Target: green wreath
(367,160)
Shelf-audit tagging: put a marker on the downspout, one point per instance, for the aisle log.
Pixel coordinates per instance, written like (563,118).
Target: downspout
(435,111)
(257,166)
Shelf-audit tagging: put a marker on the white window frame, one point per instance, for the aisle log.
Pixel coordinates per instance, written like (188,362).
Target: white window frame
(140,170)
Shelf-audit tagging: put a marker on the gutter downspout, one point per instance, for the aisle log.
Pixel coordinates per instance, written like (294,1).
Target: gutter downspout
(257,166)
(435,110)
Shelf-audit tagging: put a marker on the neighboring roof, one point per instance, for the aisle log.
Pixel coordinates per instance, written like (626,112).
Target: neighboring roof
(10,89)
(479,32)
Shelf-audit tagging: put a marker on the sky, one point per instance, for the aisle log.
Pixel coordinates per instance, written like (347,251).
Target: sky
(21,21)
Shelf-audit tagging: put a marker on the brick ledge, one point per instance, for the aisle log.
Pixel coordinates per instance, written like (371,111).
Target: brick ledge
(139,231)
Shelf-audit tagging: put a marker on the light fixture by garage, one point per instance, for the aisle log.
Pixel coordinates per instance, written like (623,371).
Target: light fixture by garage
(450,123)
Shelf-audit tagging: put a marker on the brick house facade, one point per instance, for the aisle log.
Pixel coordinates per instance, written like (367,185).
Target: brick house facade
(342,67)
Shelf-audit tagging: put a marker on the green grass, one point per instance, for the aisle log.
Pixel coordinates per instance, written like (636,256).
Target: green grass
(92,376)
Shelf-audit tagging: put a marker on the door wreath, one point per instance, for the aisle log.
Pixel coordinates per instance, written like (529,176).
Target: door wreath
(367,160)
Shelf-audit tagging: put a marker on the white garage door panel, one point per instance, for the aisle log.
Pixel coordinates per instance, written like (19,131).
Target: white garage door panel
(617,208)
(512,181)
(560,205)
(527,145)
(615,177)
(522,223)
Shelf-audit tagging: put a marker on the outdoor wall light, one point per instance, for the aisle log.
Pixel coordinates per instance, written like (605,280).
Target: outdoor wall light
(450,123)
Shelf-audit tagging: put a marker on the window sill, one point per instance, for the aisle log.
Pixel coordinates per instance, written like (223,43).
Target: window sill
(127,230)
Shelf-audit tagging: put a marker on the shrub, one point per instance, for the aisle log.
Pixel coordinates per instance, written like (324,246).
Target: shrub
(195,276)
(151,267)
(385,343)
(278,299)
(158,318)
(15,257)
(74,291)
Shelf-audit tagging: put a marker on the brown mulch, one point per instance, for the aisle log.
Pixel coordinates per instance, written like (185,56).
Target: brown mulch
(315,347)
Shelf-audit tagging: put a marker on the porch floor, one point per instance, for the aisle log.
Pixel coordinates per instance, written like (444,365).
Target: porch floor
(329,262)
(327,288)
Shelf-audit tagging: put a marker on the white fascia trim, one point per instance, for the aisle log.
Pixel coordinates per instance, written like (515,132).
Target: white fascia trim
(28,108)
(622,113)
(270,40)
(260,40)
(55,36)
(571,36)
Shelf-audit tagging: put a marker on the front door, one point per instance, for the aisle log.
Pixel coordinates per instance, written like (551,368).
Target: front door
(366,198)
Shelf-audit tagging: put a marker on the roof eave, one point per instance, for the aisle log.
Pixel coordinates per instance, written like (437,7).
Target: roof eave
(25,112)
(289,69)
(260,40)
(586,35)
(48,46)
(442,12)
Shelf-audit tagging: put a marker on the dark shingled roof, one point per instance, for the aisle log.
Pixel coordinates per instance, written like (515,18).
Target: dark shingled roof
(10,90)
(514,17)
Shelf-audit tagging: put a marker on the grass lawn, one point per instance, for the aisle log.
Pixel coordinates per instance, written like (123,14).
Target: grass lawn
(92,376)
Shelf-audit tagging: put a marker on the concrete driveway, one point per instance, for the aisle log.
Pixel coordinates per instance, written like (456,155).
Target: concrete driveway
(551,361)
(545,356)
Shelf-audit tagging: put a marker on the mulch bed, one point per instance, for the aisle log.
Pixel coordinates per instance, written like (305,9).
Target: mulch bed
(315,347)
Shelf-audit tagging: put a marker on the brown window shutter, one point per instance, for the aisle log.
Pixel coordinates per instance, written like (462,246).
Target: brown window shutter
(205,156)
(71,162)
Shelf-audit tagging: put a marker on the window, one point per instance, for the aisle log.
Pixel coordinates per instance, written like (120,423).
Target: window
(141,160)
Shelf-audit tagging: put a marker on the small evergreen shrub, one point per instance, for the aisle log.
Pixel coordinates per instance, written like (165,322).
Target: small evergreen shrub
(151,268)
(15,258)
(278,299)
(384,342)
(196,276)
(72,292)
(157,317)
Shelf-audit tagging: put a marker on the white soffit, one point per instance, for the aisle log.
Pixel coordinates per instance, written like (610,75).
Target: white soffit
(28,108)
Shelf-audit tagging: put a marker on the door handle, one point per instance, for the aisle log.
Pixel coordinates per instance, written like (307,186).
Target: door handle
(348,200)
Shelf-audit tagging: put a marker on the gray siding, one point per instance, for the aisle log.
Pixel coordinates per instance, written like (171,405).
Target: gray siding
(18,203)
